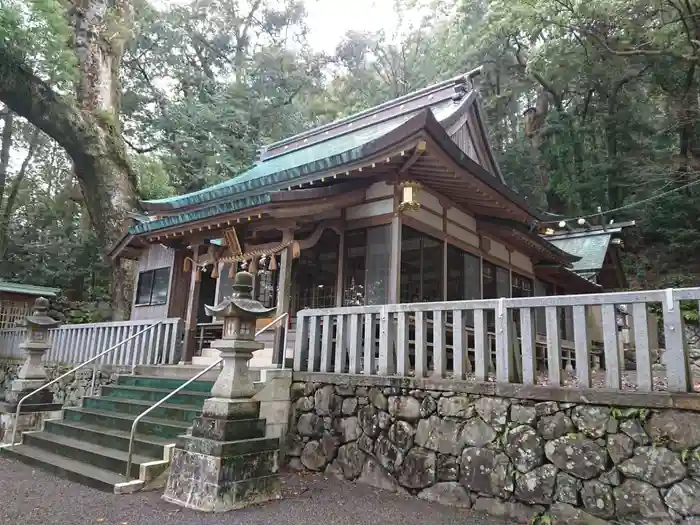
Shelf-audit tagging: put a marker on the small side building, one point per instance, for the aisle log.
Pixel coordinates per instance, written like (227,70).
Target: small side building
(16,300)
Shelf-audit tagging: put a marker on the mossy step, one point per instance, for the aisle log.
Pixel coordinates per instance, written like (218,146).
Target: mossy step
(141,393)
(121,421)
(131,406)
(164,383)
(146,445)
(71,469)
(96,455)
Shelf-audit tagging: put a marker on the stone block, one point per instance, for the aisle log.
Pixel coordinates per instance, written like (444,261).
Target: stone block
(195,485)
(228,430)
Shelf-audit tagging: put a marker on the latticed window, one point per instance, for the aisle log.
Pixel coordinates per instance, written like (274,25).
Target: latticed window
(13,313)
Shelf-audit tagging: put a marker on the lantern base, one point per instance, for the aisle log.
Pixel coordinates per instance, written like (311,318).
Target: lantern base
(227,463)
(31,418)
(21,387)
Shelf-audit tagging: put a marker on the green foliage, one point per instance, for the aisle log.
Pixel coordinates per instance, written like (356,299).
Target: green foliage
(207,83)
(39,32)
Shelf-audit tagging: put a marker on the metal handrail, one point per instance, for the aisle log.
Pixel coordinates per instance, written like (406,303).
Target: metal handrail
(143,414)
(73,370)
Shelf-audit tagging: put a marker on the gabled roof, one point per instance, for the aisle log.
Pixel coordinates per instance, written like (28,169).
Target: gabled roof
(299,159)
(28,289)
(589,245)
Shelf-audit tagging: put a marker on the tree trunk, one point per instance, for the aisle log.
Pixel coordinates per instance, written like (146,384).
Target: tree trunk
(5,147)
(88,129)
(99,48)
(6,212)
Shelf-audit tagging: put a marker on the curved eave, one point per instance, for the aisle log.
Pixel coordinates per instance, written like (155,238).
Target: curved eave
(441,137)
(572,281)
(258,192)
(281,180)
(530,242)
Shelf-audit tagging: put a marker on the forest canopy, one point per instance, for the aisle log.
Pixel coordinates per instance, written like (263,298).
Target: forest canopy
(589,104)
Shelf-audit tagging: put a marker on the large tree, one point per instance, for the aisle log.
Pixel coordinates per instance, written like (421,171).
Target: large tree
(59,69)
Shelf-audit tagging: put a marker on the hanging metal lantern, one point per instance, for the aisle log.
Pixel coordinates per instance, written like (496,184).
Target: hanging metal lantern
(409,196)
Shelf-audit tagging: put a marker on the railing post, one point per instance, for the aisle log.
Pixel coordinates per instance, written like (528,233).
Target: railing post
(583,368)
(402,357)
(504,343)
(676,355)
(528,338)
(553,345)
(481,345)
(610,346)
(386,342)
(641,347)
(301,342)
(459,347)
(439,353)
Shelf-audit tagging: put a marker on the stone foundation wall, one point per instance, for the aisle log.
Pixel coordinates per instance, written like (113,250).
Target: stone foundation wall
(521,459)
(68,391)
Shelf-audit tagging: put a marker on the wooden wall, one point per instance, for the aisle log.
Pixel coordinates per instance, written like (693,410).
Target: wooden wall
(438,218)
(156,256)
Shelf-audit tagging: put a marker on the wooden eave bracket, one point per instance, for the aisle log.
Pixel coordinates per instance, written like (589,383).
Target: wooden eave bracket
(420,148)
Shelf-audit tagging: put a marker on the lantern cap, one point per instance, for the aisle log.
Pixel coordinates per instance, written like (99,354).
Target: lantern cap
(40,317)
(241,302)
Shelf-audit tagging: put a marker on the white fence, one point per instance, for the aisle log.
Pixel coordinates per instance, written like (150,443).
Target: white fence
(497,339)
(76,343)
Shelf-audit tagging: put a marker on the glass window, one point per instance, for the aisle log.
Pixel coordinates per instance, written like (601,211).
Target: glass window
(152,288)
(378,265)
(354,272)
(421,267)
(502,282)
(489,280)
(463,275)
(266,287)
(314,274)
(522,286)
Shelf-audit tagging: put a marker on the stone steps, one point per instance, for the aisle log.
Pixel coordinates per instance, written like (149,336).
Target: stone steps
(118,439)
(171,412)
(140,393)
(100,456)
(71,469)
(90,444)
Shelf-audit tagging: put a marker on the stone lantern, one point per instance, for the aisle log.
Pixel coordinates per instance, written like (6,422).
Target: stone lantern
(239,312)
(227,462)
(32,375)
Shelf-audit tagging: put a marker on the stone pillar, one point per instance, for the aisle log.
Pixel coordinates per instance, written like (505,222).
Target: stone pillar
(228,463)
(31,376)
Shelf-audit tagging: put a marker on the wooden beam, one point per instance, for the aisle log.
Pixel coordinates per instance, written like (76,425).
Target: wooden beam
(191,313)
(394,295)
(417,152)
(284,283)
(340,277)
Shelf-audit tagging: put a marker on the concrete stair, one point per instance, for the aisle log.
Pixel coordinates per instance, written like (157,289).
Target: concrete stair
(261,358)
(90,444)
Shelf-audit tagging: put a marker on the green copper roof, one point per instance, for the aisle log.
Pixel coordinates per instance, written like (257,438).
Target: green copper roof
(591,249)
(28,289)
(203,213)
(294,165)
(252,187)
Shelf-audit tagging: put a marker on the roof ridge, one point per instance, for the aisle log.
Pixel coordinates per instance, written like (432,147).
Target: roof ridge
(460,79)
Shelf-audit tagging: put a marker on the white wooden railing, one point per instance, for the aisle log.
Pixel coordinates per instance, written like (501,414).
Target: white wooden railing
(76,343)
(435,340)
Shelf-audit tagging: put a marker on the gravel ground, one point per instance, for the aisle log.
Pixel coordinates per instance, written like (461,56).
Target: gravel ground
(33,497)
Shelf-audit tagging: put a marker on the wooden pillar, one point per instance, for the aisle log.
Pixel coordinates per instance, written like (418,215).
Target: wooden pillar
(191,314)
(284,283)
(340,276)
(395,261)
